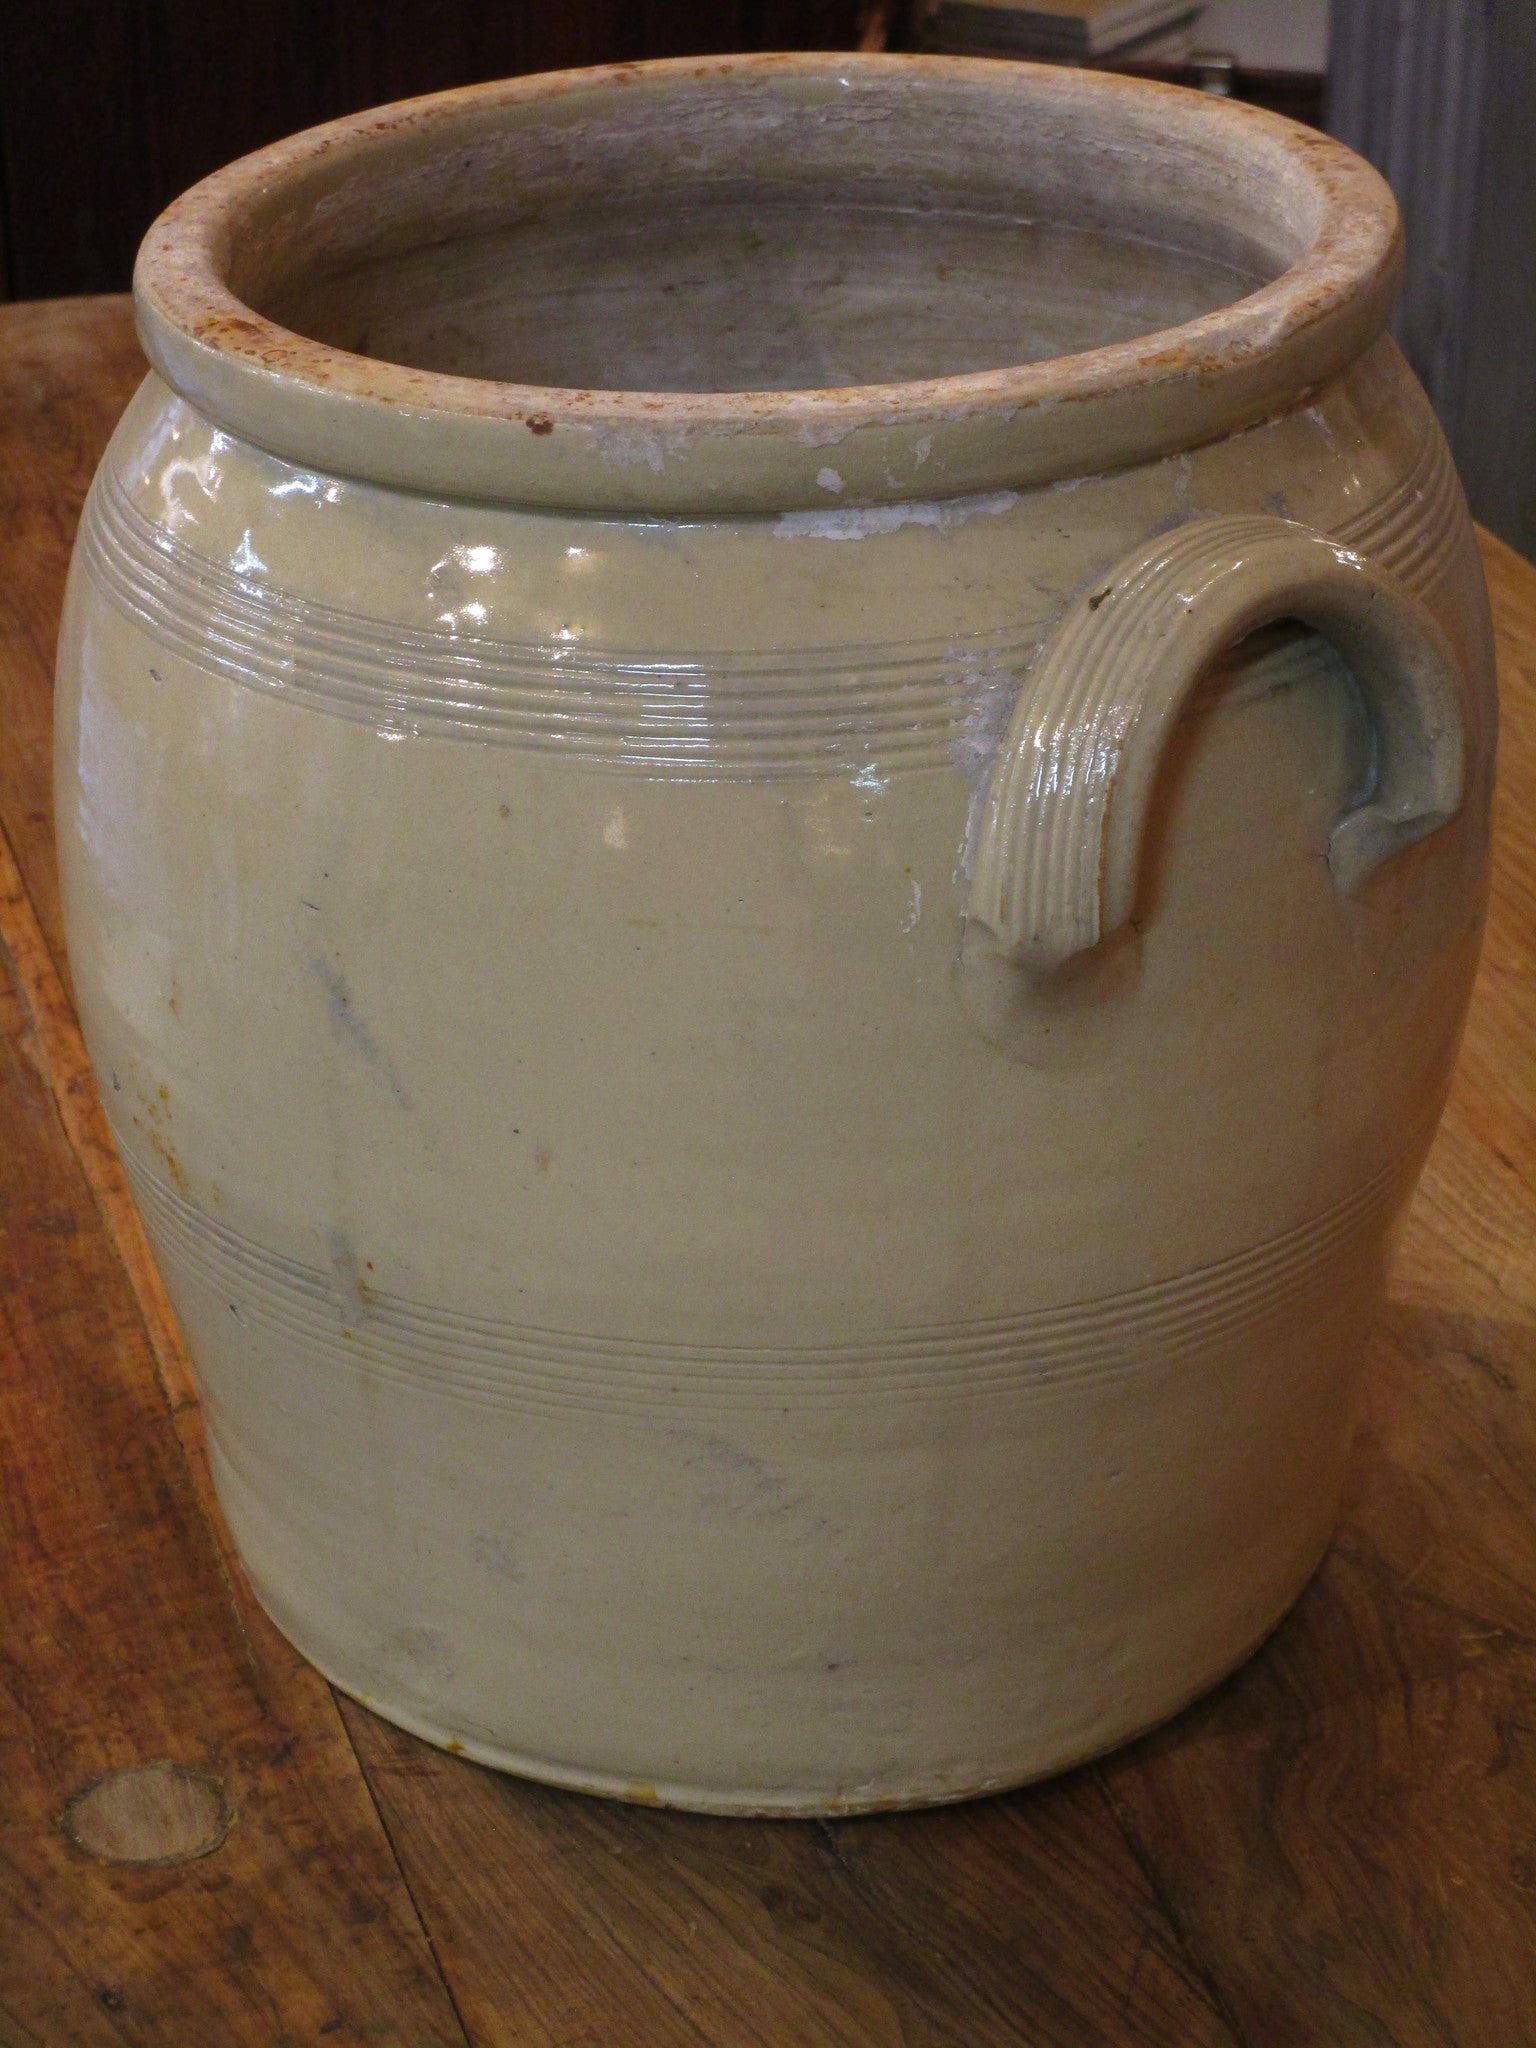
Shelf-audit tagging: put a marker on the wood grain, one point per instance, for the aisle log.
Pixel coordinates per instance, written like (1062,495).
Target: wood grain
(1347,1830)
(124,1644)
(160,1814)
(1338,1847)
(66,371)
(125,1639)
(558,1919)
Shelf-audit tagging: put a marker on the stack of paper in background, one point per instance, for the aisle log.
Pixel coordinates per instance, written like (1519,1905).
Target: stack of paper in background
(1064,31)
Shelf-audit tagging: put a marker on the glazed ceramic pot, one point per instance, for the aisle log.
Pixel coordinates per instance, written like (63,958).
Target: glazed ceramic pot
(773,784)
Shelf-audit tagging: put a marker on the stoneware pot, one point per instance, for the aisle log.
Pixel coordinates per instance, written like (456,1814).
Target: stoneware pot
(773,781)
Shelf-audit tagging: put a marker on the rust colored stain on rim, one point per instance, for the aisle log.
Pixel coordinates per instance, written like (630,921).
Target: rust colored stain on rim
(752,451)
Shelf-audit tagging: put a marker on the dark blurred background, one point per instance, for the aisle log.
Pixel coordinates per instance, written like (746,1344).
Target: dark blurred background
(109,109)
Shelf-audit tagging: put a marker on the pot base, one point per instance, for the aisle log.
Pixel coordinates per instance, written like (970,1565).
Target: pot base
(758,1803)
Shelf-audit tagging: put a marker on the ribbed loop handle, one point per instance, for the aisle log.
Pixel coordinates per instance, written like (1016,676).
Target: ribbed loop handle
(1059,850)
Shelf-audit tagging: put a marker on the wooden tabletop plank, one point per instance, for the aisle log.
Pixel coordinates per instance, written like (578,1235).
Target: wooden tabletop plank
(1347,1829)
(126,1643)
(1337,1847)
(560,1920)
(123,1647)
(67,369)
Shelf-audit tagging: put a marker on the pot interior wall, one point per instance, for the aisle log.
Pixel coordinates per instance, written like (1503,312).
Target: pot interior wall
(754,239)
(747,295)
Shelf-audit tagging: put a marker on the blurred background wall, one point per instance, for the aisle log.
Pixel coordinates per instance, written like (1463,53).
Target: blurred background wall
(1441,96)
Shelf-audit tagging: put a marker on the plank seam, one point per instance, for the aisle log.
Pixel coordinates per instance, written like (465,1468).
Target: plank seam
(385,1829)
(66,1072)
(1203,1975)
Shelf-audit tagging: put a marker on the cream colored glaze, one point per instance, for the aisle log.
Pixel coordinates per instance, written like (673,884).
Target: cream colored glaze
(696,1297)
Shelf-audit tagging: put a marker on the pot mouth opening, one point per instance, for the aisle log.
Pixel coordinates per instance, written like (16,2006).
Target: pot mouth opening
(750,261)
(678,284)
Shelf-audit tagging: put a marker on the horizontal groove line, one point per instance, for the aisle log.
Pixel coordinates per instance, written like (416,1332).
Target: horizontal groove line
(658,685)
(1078,1344)
(1209,1283)
(742,716)
(1238,1274)
(553,1395)
(580,1388)
(366,1347)
(818,712)
(153,546)
(1086,1342)
(672,691)
(1414,529)
(362,1351)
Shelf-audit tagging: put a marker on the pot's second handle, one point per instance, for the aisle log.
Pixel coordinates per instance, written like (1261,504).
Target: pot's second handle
(1059,849)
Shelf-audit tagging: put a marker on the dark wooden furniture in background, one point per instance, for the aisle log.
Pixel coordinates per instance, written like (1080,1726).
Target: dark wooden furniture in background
(109,108)
(1299,95)
(1336,1849)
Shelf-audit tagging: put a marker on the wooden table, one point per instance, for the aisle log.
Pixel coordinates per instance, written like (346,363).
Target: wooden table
(1336,1847)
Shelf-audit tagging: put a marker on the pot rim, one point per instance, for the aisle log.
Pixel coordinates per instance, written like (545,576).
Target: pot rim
(668,453)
